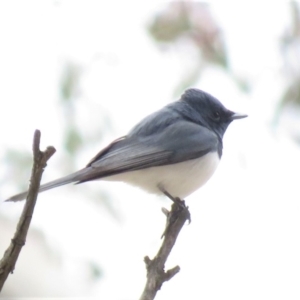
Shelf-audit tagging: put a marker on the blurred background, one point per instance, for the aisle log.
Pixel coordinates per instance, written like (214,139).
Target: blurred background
(85,72)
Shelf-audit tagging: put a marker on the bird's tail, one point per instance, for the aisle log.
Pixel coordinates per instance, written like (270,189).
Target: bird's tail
(74,177)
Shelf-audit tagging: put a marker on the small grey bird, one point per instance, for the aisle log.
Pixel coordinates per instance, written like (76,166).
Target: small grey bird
(173,151)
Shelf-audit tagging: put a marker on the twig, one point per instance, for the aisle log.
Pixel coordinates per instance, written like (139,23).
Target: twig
(156,274)
(8,262)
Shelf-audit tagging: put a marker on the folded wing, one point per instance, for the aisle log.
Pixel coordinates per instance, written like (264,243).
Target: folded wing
(175,143)
(163,148)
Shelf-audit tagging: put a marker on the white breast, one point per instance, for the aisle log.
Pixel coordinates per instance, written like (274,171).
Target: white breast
(180,180)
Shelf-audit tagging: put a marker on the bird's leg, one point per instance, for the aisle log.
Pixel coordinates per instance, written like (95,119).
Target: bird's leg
(176,200)
(178,207)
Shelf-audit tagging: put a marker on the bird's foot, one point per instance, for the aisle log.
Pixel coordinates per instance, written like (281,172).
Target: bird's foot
(178,208)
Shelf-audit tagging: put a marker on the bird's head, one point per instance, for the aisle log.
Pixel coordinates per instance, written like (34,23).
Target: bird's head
(209,111)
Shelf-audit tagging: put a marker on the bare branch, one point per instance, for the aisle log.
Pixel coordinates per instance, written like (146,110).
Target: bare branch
(156,274)
(8,262)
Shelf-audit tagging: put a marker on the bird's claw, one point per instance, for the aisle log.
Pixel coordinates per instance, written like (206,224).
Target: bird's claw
(178,207)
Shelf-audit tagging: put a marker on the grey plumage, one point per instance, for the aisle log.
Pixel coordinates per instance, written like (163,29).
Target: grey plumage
(185,130)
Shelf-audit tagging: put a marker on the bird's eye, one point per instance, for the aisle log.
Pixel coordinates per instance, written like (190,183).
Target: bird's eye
(216,115)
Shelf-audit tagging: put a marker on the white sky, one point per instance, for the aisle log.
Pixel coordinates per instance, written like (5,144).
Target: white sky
(243,242)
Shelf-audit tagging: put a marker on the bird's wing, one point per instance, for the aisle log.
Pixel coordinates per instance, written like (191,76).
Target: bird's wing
(175,143)
(103,151)
(178,142)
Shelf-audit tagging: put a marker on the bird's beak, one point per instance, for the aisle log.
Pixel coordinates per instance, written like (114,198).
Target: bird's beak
(236,116)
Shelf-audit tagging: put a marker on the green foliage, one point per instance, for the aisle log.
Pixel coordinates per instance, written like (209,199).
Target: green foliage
(96,270)
(191,23)
(290,53)
(73,141)
(70,82)
(170,25)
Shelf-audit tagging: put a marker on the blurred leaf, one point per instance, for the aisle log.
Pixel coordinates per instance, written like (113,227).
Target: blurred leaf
(290,45)
(191,23)
(170,24)
(72,140)
(292,93)
(295,17)
(183,21)
(96,271)
(70,82)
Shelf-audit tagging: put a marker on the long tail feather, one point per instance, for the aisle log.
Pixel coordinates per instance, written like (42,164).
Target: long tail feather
(74,177)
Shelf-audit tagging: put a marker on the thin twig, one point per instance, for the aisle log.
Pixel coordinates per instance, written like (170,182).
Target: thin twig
(8,262)
(156,274)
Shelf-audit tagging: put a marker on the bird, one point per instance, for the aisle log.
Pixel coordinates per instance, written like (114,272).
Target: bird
(173,151)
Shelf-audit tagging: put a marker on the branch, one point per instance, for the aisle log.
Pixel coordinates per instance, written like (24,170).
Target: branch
(8,262)
(156,274)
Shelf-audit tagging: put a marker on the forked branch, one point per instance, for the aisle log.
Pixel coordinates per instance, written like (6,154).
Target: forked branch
(8,262)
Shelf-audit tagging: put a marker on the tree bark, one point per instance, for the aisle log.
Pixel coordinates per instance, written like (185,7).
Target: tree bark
(156,274)
(8,262)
